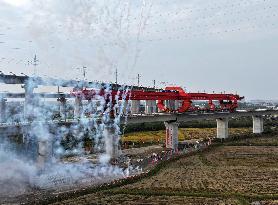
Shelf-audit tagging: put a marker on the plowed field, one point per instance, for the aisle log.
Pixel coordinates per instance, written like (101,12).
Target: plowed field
(228,174)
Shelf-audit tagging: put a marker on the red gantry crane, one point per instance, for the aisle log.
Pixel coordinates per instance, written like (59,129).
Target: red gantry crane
(227,102)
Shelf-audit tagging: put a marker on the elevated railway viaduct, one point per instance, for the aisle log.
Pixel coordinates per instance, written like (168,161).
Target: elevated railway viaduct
(173,103)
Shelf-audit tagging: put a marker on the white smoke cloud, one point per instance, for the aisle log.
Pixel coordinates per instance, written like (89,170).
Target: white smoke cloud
(17,3)
(15,173)
(37,160)
(101,35)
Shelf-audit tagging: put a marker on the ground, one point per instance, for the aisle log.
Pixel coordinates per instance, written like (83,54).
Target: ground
(184,134)
(241,172)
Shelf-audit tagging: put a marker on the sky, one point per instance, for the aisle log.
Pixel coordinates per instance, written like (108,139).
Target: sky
(216,45)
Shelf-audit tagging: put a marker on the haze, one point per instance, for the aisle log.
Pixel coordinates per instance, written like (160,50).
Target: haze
(213,46)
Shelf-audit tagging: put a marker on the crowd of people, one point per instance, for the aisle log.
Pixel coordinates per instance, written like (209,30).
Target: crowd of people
(148,161)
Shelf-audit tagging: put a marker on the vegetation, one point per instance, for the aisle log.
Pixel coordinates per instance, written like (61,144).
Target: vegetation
(184,134)
(156,126)
(222,174)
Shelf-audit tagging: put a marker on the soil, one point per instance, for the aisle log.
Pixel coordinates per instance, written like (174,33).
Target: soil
(235,172)
(226,174)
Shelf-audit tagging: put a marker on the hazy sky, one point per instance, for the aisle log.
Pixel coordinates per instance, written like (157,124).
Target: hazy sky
(213,45)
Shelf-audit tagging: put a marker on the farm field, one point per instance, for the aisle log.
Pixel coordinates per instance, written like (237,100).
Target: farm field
(184,134)
(225,174)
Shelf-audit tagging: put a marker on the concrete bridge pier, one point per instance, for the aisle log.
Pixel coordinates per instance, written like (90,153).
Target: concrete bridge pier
(111,141)
(120,107)
(177,104)
(29,100)
(172,140)
(78,107)
(44,153)
(3,112)
(150,106)
(155,108)
(125,107)
(167,103)
(135,106)
(258,124)
(172,104)
(222,128)
(63,105)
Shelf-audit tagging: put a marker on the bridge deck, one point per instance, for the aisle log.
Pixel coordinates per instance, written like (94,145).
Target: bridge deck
(18,127)
(185,117)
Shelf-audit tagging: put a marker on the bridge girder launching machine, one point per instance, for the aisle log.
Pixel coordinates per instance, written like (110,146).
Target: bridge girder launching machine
(227,102)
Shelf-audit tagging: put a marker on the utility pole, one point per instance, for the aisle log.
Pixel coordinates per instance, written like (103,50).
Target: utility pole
(84,72)
(116,75)
(154,84)
(138,79)
(34,62)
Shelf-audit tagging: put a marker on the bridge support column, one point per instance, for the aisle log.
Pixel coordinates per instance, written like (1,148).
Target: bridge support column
(167,103)
(63,106)
(78,107)
(172,104)
(177,104)
(44,152)
(150,106)
(3,112)
(29,100)
(135,106)
(172,140)
(155,109)
(125,106)
(222,128)
(258,124)
(111,141)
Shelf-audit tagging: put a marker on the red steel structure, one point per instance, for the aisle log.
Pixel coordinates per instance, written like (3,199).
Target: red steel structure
(227,102)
